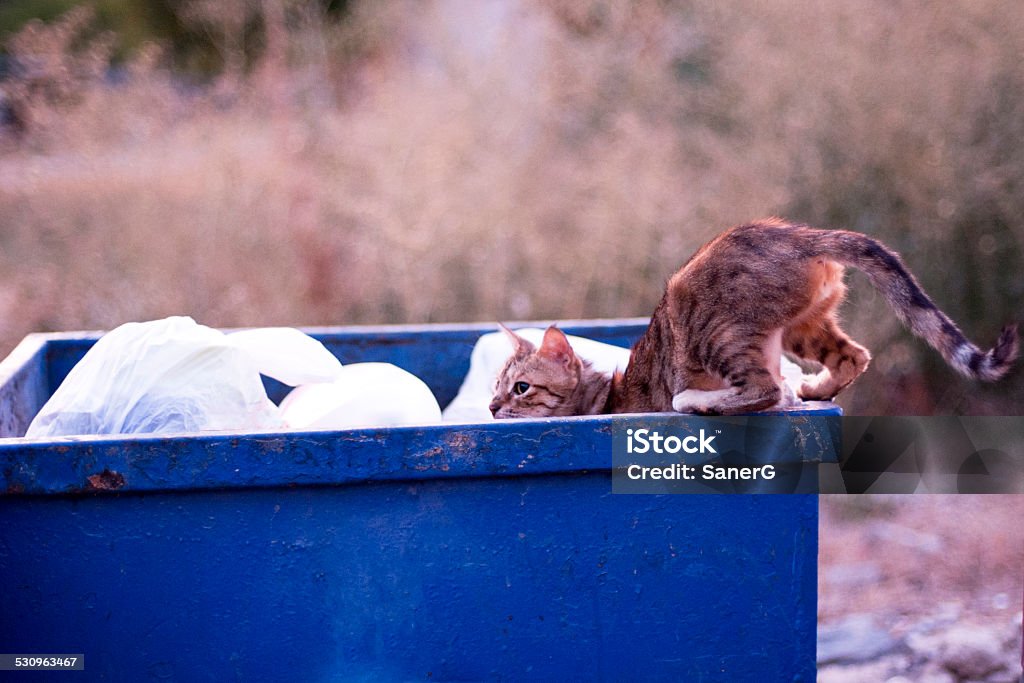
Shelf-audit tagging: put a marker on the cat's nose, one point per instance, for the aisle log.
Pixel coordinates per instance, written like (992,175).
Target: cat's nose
(494,407)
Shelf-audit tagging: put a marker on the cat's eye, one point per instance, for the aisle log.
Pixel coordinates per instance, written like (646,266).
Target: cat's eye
(520,388)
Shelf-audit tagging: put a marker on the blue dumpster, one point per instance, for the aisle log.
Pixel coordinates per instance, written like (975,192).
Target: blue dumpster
(490,551)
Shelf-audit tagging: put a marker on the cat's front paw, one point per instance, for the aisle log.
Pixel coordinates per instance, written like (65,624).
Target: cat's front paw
(697,402)
(789,397)
(817,387)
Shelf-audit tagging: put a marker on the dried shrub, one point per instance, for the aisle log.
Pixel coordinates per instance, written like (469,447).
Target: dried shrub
(454,160)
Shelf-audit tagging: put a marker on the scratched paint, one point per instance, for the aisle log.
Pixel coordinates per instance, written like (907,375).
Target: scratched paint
(544,577)
(486,552)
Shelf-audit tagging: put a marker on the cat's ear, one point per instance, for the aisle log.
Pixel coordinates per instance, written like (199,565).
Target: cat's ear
(520,346)
(556,346)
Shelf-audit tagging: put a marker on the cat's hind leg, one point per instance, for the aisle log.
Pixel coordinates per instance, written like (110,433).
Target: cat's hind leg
(752,386)
(823,341)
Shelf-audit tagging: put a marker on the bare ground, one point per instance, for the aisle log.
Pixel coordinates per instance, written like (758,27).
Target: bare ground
(930,572)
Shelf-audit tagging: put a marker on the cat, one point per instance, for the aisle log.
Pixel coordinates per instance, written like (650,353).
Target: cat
(714,343)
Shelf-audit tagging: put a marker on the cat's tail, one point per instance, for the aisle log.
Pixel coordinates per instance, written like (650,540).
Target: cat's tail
(915,309)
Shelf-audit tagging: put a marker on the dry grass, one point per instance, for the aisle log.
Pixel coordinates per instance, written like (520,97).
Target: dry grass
(456,160)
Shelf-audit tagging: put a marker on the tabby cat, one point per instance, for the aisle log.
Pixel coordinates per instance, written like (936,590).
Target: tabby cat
(715,341)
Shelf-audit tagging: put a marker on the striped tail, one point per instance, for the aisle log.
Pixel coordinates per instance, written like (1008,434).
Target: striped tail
(914,308)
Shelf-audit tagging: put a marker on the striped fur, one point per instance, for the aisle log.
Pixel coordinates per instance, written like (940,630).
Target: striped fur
(915,309)
(714,341)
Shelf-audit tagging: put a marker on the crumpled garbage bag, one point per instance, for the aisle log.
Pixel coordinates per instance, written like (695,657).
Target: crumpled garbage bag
(363,395)
(176,376)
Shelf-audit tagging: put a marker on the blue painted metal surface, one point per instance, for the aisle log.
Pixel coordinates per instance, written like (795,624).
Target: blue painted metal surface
(480,552)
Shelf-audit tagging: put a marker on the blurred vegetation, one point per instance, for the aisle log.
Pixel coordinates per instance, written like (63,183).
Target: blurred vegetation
(193,43)
(135,22)
(416,161)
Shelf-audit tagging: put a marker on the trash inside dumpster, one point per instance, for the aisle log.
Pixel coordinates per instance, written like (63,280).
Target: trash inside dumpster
(175,376)
(475,551)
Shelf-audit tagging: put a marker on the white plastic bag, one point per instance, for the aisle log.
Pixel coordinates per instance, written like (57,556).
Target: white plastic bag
(362,395)
(175,376)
